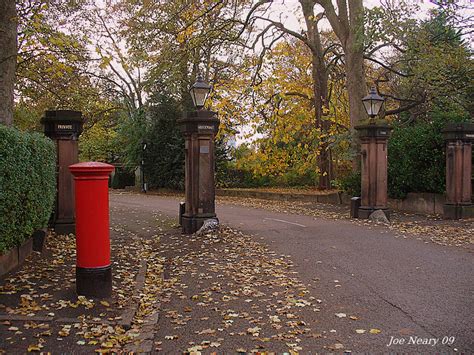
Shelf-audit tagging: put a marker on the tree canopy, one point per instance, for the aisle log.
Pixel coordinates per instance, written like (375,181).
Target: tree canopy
(292,92)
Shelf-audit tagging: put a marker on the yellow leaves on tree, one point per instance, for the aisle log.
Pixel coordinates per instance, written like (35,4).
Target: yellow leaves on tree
(281,114)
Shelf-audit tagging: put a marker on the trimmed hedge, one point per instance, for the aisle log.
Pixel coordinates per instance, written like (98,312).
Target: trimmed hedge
(27,184)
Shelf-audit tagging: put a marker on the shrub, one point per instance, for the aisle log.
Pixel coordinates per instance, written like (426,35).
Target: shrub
(121,178)
(27,184)
(233,177)
(349,183)
(416,158)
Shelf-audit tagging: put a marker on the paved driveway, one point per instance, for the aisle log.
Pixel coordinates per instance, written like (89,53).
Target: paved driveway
(411,291)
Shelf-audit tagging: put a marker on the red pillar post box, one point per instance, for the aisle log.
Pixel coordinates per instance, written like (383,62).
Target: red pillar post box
(373,141)
(93,268)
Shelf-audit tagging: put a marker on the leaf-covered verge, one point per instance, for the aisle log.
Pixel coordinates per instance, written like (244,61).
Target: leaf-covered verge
(27,184)
(39,308)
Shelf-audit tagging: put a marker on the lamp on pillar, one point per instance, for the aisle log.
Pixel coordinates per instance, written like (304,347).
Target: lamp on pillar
(373,137)
(373,103)
(200,92)
(199,128)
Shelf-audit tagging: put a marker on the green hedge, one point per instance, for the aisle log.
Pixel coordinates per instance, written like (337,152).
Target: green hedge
(416,157)
(27,184)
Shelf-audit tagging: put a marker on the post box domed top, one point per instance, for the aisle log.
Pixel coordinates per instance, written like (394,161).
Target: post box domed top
(91,168)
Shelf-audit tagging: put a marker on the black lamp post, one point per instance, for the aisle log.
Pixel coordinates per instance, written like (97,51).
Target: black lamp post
(373,103)
(199,128)
(144,185)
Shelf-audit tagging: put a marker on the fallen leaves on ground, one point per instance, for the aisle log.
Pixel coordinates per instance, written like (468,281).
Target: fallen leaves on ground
(429,228)
(45,288)
(234,291)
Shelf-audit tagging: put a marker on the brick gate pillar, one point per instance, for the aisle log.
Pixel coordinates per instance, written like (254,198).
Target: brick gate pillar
(64,128)
(373,137)
(199,129)
(458,139)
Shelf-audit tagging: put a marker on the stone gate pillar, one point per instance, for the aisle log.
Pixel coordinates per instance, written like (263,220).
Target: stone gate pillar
(64,128)
(373,137)
(458,142)
(199,129)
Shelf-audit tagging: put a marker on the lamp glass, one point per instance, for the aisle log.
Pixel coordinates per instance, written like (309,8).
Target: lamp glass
(200,92)
(373,103)
(199,96)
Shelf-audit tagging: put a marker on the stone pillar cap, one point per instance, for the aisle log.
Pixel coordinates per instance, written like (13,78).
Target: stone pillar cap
(459,131)
(62,115)
(370,123)
(373,129)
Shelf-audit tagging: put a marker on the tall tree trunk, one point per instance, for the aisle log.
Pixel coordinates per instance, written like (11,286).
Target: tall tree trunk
(320,92)
(354,51)
(185,79)
(356,86)
(348,25)
(8,53)
(357,89)
(320,79)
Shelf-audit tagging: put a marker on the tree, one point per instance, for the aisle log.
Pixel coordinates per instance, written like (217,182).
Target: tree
(159,47)
(8,52)
(282,114)
(430,64)
(321,52)
(99,141)
(178,39)
(439,67)
(52,65)
(348,25)
(164,155)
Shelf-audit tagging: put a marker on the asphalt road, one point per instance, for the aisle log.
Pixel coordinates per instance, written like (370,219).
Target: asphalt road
(412,291)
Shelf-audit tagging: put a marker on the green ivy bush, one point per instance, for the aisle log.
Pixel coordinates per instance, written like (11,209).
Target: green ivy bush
(416,157)
(27,184)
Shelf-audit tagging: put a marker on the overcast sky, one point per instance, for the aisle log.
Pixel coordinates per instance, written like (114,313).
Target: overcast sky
(290,13)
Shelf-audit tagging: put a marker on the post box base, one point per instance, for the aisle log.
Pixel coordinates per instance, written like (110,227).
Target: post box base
(451,211)
(94,282)
(191,225)
(365,212)
(64,227)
